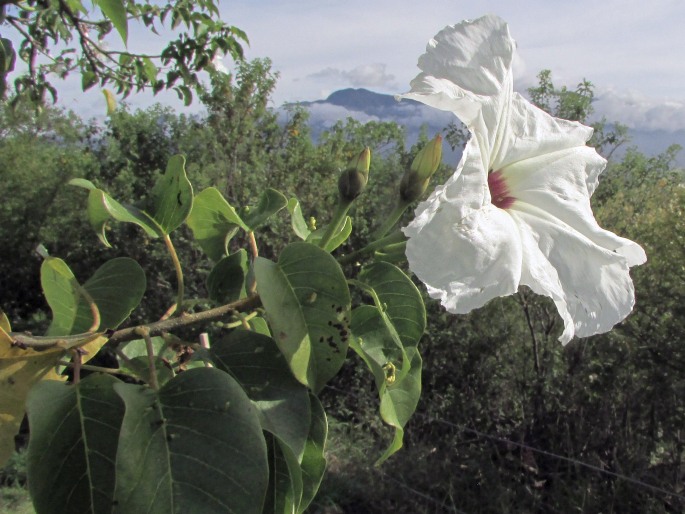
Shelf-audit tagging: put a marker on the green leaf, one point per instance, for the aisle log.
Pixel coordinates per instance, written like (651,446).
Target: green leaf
(269,204)
(116,289)
(172,196)
(73,444)
(115,10)
(260,326)
(170,203)
(386,337)
(76,6)
(399,392)
(8,56)
(297,220)
(88,80)
(226,281)
(137,363)
(258,365)
(314,460)
(214,222)
(196,445)
(285,480)
(307,302)
(61,290)
(102,207)
(392,254)
(150,69)
(400,300)
(338,238)
(110,100)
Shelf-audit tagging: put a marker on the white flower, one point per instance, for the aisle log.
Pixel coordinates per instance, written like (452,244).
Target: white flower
(517,209)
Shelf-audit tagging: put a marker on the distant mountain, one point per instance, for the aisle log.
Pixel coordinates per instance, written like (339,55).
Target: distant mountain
(364,105)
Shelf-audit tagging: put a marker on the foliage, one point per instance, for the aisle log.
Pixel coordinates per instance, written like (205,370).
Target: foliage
(55,39)
(294,311)
(497,386)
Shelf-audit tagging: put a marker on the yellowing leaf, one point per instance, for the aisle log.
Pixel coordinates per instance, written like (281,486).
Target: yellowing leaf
(4,322)
(19,370)
(111,101)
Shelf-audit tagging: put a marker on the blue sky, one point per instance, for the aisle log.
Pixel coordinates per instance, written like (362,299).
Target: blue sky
(633,51)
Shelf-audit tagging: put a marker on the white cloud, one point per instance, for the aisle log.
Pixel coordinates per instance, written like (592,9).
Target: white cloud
(639,111)
(326,115)
(366,75)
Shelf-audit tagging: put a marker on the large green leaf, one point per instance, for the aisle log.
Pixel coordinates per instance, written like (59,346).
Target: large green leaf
(196,445)
(226,281)
(116,288)
(260,368)
(308,307)
(270,202)
(172,197)
(399,392)
(73,445)
(169,204)
(214,222)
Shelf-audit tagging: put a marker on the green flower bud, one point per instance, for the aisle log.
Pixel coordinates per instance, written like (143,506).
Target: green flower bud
(428,159)
(353,180)
(415,180)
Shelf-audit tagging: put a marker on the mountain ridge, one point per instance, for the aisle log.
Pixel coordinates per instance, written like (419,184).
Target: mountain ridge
(365,105)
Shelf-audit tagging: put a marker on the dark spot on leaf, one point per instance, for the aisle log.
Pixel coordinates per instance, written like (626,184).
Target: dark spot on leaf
(178,198)
(282,336)
(10,380)
(321,339)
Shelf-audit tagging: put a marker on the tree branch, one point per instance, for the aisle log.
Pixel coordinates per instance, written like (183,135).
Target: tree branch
(117,337)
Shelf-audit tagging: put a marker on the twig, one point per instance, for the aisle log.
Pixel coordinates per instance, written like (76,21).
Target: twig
(179,274)
(145,332)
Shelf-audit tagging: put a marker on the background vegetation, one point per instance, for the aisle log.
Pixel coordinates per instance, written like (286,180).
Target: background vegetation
(509,420)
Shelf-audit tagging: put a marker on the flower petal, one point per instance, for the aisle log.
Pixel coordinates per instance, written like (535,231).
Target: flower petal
(560,184)
(528,131)
(464,249)
(589,284)
(467,70)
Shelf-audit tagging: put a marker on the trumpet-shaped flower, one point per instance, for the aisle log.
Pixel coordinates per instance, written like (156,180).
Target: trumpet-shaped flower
(517,209)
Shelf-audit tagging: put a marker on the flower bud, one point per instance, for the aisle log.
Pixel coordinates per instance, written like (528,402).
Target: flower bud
(353,180)
(415,180)
(428,159)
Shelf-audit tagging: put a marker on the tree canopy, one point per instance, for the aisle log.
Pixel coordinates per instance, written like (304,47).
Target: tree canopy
(44,40)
